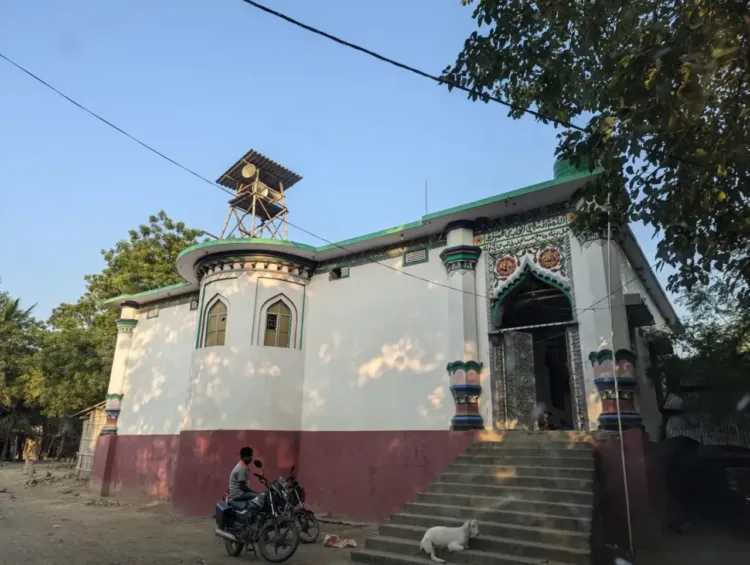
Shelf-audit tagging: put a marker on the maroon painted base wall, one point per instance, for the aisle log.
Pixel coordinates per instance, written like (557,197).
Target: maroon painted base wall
(645,489)
(135,465)
(359,475)
(369,475)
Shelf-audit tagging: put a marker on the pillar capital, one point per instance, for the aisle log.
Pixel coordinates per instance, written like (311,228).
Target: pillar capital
(126,325)
(113,403)
(466,391)
(616,369)
(460,257)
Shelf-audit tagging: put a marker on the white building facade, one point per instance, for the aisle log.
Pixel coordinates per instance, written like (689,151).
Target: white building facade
(370,364)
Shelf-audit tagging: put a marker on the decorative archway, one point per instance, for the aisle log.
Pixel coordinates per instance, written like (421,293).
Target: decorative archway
(531,312)
(515,273)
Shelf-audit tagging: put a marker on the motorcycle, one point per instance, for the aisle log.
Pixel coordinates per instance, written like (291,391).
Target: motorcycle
(259,523)
(307,523)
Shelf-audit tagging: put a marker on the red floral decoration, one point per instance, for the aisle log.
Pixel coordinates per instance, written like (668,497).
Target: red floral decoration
(505,266)
(549,258)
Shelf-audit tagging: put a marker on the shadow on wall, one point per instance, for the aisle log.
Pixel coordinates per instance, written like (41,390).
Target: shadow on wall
(393,397)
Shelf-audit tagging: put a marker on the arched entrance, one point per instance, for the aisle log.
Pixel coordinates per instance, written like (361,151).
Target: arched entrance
(533,373)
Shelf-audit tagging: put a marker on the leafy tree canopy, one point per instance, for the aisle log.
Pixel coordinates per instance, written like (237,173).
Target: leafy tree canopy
(77,355)
(663,87)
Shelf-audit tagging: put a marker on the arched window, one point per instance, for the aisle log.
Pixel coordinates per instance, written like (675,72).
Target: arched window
(278,325)
(216,324)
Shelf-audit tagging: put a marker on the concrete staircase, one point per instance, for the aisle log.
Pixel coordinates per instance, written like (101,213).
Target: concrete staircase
(532,493)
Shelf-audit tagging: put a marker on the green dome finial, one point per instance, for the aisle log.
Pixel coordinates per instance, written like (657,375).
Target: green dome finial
(564,168)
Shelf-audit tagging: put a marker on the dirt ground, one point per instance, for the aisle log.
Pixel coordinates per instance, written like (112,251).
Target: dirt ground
(57,521)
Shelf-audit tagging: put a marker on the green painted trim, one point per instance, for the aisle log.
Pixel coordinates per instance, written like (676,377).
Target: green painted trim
(511,194)
(369,236)
(453,257)
(125,297)
(219,243)
(600,356)
(454,366)
(626,355)
(302,316)
(528,270)
(114,396)
(200,318)
(126,323)
(413,249)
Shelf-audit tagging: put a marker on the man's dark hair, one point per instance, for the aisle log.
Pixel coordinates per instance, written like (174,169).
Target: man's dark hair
(246,452)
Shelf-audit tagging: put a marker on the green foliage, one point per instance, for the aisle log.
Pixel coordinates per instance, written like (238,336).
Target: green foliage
(714,347)
(21,336)
(77,355)
(665,87)
(50,371)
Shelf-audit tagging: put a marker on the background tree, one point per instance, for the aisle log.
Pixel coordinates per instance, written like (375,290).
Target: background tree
(76,357)
(662,87)
(21,336)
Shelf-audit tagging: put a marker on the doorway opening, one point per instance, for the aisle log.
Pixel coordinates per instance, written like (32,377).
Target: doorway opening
(532,323)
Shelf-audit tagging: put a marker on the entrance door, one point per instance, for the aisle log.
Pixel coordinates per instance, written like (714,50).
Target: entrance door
(520,380)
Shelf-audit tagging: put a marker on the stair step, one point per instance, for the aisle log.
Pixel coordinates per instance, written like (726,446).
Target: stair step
(552,436)
(479,548)
(551,460)
(512,504)
(501,479)
(535,444)
(576,539)
(522,471)
(502,515)
(374,557)
(519,492)
(531,450)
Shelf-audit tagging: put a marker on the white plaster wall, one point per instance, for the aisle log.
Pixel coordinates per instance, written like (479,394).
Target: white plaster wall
(483,342)
(157,371)
(590,322)
(633,284)
(242,385)
(646,400)
(374,348)
(245,387)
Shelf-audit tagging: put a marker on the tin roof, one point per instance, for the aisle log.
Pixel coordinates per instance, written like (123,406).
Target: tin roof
(271,173)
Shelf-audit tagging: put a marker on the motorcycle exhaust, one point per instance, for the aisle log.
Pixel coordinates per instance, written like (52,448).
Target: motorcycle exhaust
(225,535)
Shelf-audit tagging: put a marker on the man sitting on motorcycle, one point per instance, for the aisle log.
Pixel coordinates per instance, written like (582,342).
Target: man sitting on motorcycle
(239,478)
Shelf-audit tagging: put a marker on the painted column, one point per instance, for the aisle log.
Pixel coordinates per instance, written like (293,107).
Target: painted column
(460,259)
(620,368)
(125,326)
(597,273)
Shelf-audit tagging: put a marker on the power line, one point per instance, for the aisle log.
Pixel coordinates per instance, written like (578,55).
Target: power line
(213,184)
(443,80)
(406,67)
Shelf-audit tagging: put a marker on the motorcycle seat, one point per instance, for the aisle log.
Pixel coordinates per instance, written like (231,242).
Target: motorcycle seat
(238,504)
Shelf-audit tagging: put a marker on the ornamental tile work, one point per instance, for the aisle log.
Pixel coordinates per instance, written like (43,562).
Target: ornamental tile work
(537,240)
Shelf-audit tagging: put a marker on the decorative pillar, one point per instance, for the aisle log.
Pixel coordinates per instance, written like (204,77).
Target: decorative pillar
(602,319)
(466,390)
(125,327)
(460,260)
(609,369)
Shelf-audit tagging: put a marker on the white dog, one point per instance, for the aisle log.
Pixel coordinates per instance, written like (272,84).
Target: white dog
(453,539)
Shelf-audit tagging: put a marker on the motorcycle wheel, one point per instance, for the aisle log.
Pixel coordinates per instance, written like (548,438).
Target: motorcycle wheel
(309,530)
(234,548)
(278,549)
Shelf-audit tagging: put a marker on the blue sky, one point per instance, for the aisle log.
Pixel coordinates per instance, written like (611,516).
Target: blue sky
(204,82)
